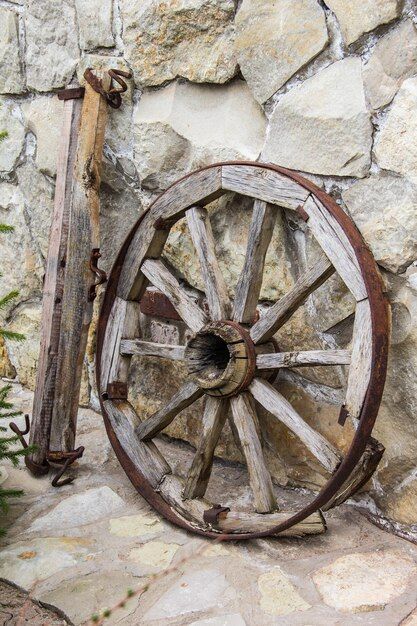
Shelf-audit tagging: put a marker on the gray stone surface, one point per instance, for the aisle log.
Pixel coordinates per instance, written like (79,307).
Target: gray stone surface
(12,143)
(11,76)
(322,126)
(273,40)
(51,43)
(43,116)
(188,38)
(357,17)
(95,25)
(393,59)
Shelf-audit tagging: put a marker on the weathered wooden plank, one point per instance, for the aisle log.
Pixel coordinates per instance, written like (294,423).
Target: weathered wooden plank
(186,395)
(278,406)
(83,236)
(149,348)
(123,322)
(336,246)
(318,392)
(159,275)
(250,280)
(282,310)
(304,358)
(216,291)
(263,184)
(214,417)
(54,285)
(244,418)
(200,188)
(361,361)
(144,455)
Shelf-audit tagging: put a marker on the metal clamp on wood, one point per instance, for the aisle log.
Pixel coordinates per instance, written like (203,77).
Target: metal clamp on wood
(63,460)
(211,516)
(101,274)
(113,95)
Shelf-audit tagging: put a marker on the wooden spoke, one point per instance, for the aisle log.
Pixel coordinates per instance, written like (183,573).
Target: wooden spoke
(244,417)
(161,278)
(278,406)
(250,280)
(150,427)
(149,348)
(307,358)
(282,310)
(214,417)
(360,369)
(216,291)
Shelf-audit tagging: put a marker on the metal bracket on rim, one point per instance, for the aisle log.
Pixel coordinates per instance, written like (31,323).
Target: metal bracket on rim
(211,516)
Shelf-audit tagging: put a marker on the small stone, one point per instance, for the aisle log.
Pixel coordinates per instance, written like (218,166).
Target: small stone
(12,144)
(27,562)
(135,525)
(80,509)
(188,38)
(234,619)
(393,60)
(95,23)
(395,146)
(278,594)
(43,117)
(357,17)
(11,77)
(196,591)
(402,501)
(185,126)
(51,43)
(323,126)
(384,208)
(363,582)
(157,554)
(273,40)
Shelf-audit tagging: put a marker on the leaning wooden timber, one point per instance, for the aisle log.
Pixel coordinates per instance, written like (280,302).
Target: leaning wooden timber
(231,353)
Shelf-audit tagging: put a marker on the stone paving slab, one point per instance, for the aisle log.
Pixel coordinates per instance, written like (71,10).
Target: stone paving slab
(81,548)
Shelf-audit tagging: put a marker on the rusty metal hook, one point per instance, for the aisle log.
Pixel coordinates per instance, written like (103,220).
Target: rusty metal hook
(54,458)
(111,95)
(20,433)
(101,274)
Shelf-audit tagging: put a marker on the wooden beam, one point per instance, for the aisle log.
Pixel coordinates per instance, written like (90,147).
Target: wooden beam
(150,427)
(304,358)
(53,287)
(149,348)
(202,235)
(361,363)
(282,310)
(277,405)
(161,278)
(250,280)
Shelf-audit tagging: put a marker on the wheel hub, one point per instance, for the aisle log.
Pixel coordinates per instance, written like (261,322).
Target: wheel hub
(221,358)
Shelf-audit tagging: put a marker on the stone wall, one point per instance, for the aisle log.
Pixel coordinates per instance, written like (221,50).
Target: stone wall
(326,88)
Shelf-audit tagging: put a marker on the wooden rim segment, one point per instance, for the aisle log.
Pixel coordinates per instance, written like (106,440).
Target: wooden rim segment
(139,264)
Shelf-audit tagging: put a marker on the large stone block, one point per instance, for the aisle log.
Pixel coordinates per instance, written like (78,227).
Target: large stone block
(43,116)
(185,126)
(395,146)
(393,59)
(11,145)
(274,40)
(357,17)
(322,126)
(188,38)
(11,76)
(51,43)
(95,23)
(384,208)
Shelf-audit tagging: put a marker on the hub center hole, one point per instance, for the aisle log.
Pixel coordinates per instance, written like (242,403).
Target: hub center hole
(207,356)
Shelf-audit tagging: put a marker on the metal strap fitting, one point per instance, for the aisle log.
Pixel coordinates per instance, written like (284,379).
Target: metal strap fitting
(71,94)
(217,511)
(113,95)
(101,274)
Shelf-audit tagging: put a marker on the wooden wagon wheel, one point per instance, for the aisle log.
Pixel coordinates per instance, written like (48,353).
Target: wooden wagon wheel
(224,359)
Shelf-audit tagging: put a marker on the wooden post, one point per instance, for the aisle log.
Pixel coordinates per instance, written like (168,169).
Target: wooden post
(54,286)
(83,237)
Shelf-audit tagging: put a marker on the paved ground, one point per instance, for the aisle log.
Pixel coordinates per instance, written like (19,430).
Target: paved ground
(81,547)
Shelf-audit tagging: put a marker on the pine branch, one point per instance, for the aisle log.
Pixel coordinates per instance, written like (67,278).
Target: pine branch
(6,228)
(3,134)
(8,298)
(12,336)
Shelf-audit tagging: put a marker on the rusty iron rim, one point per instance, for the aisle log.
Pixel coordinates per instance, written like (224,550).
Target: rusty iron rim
(379,308)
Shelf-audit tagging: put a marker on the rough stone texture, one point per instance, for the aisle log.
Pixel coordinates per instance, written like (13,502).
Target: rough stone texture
(395,147)
(322,126)
(11,76)
(384,208)
(12,143)
(278,595)
(393,59)
(14,602)
(156,554)
(51,43)
(357,17)
(273,40)
(135,525)
(188,38)
(95,23)
(185,126)
(25,319)
(43,116)
(364,582)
